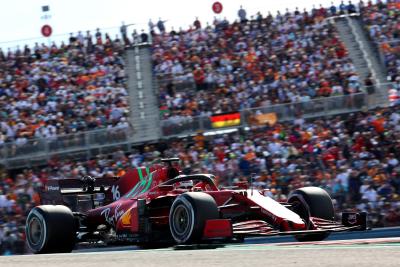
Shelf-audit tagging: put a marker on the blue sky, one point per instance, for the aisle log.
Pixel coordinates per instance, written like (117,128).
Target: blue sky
(21,21)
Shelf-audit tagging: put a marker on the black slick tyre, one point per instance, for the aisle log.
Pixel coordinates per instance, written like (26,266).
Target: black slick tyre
(50,229)
(312,202)
(188,215)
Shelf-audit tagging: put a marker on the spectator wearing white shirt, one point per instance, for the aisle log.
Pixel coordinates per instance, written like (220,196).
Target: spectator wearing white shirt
(370,194)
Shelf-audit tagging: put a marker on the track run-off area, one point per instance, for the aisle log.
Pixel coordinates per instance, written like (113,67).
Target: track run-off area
(379,247)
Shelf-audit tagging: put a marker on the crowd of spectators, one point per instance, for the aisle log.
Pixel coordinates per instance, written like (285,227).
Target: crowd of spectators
(293,56)
(52,90)
(381,20)
(355,158)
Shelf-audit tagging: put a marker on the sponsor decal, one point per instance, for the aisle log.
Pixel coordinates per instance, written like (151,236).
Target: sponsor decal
(143,185)
(126,218)
(112,219)
(263,119)
(352,219)
(115,192)
(51,188)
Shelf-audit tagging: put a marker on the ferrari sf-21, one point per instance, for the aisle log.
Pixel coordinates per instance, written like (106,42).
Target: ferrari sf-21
(159,206)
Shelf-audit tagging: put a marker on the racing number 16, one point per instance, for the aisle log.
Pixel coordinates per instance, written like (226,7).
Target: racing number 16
(115,192)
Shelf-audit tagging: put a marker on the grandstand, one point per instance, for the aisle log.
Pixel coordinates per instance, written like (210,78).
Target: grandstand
(300,98)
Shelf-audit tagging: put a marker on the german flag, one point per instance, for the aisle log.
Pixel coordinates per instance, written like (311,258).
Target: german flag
(225,120)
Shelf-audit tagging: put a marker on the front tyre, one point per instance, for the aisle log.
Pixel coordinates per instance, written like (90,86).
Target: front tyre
(50,229)
(312,202)
(188,215)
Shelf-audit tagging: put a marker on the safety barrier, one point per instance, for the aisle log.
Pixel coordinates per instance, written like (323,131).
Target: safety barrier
(182,125)
(64,143)
(174,127)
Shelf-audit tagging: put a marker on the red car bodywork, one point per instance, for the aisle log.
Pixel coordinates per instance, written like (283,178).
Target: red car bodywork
(137,206)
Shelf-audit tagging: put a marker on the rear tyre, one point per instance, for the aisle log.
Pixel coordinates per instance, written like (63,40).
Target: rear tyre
(50,229)
(312,202)
(188,215)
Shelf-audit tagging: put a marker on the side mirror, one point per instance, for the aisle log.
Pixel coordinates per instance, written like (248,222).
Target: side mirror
(242,185)
(166,188)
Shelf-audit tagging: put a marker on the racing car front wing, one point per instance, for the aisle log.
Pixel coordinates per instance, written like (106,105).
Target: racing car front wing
(351,221)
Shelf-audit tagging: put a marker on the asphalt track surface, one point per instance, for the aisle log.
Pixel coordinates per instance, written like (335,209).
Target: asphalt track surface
(371,248)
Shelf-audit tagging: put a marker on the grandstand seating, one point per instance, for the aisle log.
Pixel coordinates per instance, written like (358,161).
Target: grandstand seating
(49,91)
(292,57)
(381,21)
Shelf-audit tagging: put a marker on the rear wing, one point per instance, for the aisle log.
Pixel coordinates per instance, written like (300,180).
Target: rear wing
(70,192)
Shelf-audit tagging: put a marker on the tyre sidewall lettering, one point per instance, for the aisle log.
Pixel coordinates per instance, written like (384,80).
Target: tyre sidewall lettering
(189,207)
(43,236)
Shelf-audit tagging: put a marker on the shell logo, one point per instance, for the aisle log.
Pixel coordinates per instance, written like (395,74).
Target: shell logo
(126,218)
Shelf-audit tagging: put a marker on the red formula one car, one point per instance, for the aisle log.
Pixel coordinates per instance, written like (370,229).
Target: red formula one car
(158,206)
